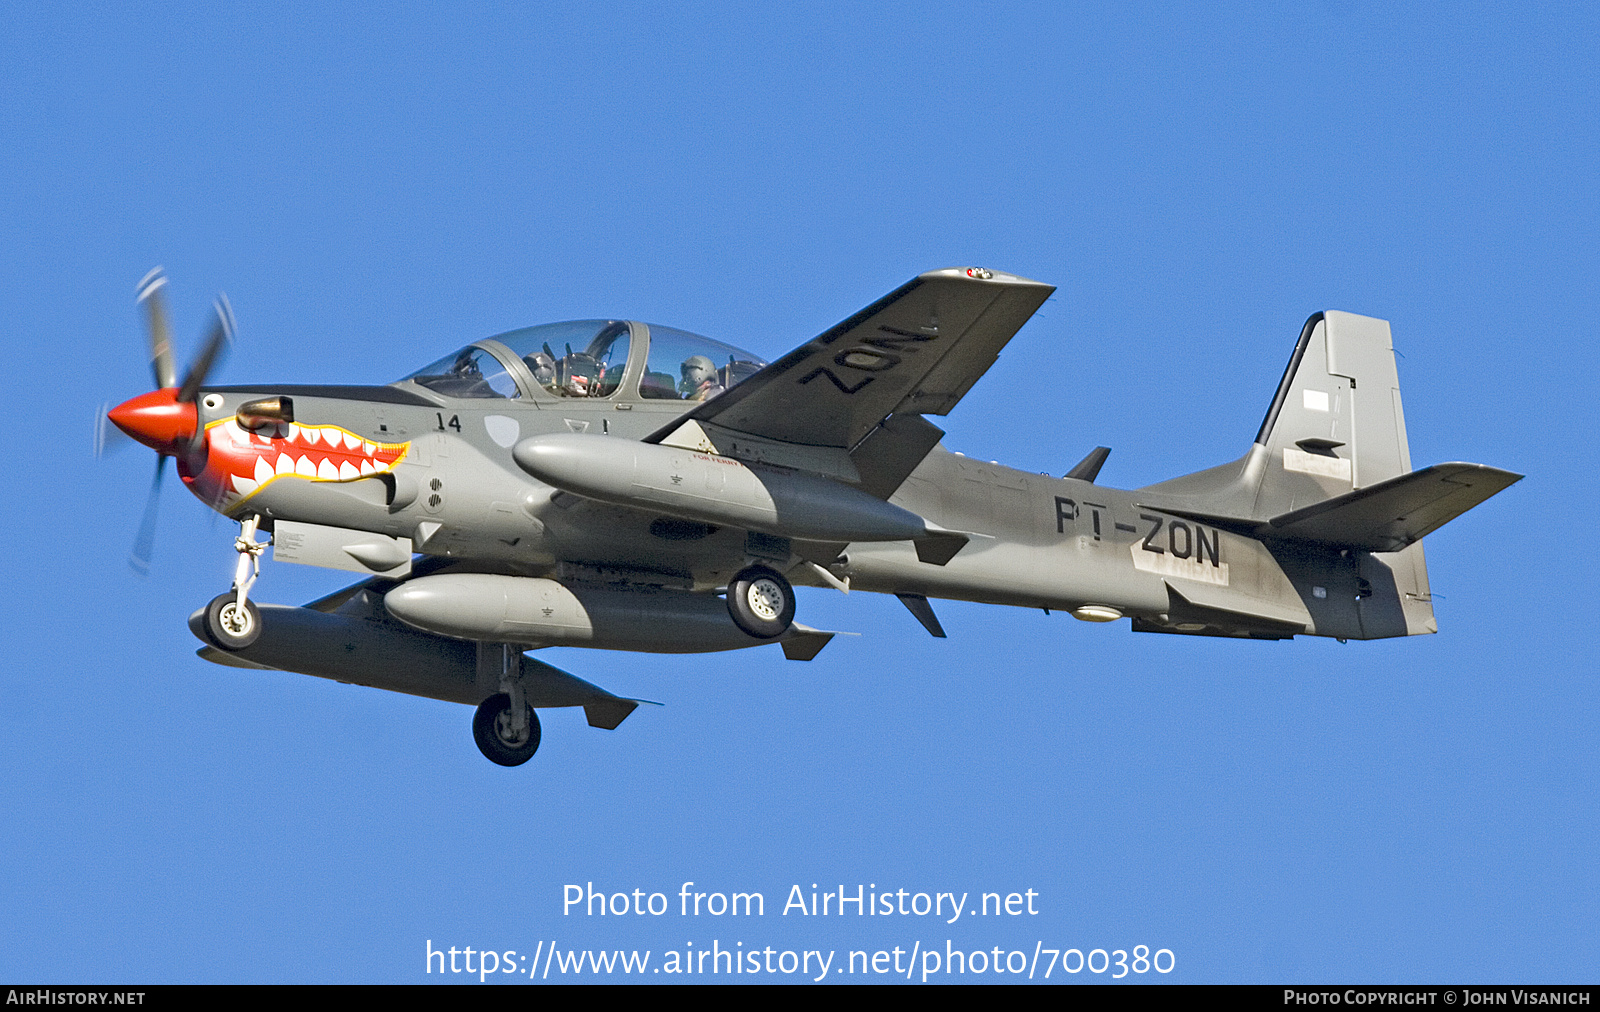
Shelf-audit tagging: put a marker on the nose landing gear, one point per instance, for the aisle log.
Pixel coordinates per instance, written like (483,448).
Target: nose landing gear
(232,620)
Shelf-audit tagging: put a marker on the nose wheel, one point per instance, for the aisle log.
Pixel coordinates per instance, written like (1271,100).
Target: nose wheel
(761,602)
(229,626)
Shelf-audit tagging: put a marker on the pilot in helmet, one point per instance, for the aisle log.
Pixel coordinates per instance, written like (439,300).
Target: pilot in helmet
(699,379)
(543,368)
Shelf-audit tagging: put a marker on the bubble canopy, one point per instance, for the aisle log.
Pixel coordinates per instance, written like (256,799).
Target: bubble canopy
(590,359)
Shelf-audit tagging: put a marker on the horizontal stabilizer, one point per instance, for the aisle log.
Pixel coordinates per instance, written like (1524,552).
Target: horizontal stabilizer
(1392,514)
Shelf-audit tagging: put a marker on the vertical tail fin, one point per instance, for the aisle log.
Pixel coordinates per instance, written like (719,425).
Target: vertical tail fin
(1335,425)
(1336,422)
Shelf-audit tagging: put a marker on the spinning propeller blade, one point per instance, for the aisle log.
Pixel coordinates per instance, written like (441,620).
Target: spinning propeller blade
(144,543)
(155,306)
(107,437)
(221,335)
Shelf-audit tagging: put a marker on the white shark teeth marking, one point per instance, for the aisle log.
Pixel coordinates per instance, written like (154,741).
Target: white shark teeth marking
(244,486)
(312,436)
(264,471)
(347,471)
(327,472)
(284,465)
(305,467)
(294,430)
(369,448)
(351,440)
(367,468)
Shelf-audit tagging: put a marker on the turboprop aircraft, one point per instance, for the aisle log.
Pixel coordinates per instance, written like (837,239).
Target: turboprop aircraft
(625,486)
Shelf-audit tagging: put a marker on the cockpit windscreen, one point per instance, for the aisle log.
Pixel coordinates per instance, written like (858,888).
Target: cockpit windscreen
(470,372)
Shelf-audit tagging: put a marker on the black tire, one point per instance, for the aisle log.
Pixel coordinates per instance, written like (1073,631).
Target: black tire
(761,602)
(491,729)
(227,627)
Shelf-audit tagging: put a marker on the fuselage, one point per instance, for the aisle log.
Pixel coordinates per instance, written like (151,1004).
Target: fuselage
(443,477)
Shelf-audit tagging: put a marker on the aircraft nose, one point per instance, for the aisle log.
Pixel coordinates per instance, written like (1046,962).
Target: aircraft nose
(158,420)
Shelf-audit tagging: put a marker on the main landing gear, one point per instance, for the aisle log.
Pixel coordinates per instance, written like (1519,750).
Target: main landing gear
(497,732)
(232,620)
(761,602)
(505,726)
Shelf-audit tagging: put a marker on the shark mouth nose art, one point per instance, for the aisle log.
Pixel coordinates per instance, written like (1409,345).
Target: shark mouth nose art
(240,462)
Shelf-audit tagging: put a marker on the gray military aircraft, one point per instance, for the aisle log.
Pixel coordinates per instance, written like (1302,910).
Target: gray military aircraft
(625,486)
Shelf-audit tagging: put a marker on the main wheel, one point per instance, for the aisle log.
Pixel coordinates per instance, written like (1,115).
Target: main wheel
(230,627)
(491,728)
(761,602)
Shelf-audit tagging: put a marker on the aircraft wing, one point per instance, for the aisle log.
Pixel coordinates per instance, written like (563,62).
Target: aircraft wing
(915,351)
(336,600)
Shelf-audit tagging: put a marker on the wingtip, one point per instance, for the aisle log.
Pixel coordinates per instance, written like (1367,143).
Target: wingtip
(982,274)
(1467,465)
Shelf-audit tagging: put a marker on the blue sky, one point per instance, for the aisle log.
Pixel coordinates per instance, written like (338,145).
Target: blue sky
(374,186)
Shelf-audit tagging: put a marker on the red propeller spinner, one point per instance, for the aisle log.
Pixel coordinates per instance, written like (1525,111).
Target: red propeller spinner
(158,420)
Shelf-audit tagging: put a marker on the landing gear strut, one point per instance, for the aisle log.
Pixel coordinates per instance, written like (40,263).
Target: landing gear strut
(761,602)
(505,726)
(232,620)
